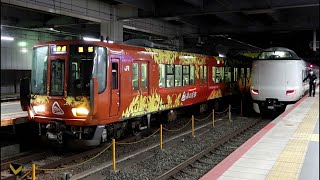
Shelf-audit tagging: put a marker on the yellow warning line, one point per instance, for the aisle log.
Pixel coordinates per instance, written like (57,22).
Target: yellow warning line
(290,161)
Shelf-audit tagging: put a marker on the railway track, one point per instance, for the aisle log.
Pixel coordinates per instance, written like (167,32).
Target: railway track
(73,157)
(196,166)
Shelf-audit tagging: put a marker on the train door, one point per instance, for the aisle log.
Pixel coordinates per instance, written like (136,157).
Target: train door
(115,93)
(140,77)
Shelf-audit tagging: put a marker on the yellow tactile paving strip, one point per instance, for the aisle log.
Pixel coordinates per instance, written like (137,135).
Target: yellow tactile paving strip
(290,161)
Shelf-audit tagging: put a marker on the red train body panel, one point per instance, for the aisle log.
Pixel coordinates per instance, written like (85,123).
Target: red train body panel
(128,79)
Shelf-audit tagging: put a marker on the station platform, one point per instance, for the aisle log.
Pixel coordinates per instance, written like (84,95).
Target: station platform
(11,113)
(287,148)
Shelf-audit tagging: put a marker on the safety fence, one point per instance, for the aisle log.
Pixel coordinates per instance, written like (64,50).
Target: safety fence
(114,143)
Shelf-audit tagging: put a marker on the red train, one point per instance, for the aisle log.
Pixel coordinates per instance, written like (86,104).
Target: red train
(88,91)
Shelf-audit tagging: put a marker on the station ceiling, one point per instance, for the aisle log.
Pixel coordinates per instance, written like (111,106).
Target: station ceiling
(237,24)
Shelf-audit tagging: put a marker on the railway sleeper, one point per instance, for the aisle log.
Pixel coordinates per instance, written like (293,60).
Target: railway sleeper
(206,162)
(191,173)
(199,167)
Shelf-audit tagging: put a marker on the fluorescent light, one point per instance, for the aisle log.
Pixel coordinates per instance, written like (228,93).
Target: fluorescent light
(111,42)
(24,50)
(22,43)
(221,55)
(7,38)
(90,39)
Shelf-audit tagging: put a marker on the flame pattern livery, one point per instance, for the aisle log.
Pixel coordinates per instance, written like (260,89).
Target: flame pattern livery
(169,57)
(79,101)
(145,104)
(37,99)
(215,94)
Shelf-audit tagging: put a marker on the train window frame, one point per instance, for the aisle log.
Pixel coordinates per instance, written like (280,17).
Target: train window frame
(192,75)
(101,73)
(215,72)
(170,82)
(54,79)
(201,74)
(162,75)
(185,75)
(132,77)
(43,76)
(114,76)
(178,75)
(144,73)
(205,74)
(227,73)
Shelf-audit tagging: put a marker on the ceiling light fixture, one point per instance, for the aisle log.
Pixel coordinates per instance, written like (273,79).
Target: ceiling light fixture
(7,38)
(90,39)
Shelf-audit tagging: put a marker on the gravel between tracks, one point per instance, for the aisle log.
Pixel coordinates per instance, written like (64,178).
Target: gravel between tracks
(161,161)
(154,165)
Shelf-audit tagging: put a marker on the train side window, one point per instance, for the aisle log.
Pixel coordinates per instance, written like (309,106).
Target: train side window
(235,74)
(178,75)
(144,76)
(114,75)
(201,74)
(242,73)
(135,76)
(205,74)
(227,74)
(162,76)
(170,75)
(192,71)
(186,77)
(214,74)
(218,74)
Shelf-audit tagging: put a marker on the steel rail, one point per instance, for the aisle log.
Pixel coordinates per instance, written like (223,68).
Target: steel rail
(194,158)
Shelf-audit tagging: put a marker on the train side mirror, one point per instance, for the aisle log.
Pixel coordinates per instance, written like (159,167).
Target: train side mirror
(93,96)
(25,93)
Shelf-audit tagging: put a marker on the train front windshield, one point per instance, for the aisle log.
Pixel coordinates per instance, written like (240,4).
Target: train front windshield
(82,63)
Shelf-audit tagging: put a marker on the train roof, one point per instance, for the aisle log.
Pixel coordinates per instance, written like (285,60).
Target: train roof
(111,45)
(278,49)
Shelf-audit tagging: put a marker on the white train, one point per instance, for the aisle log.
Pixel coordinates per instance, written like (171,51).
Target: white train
(277,79)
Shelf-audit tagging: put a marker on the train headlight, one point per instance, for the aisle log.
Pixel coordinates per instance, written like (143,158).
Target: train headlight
(254,91)
(80,111)
(290,92)
(39,109)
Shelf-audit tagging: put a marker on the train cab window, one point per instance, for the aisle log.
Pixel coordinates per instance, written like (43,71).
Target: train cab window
(186,77)
(114,75)
(135,76)
(227,74)
(57,77)
(144,76)
(39,70)
(192,71)
(170,75)
(85,62)
(178,75)
(100,60)
(162,76)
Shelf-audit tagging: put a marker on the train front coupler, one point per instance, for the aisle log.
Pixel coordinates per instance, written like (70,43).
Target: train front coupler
(55,131)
